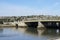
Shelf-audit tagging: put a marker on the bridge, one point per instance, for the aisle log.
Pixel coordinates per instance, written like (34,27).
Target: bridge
(43,23)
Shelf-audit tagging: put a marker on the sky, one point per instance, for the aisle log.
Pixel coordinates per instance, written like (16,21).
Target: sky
(29,7)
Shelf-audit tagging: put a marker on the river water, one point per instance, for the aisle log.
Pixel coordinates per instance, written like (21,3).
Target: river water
(29,34)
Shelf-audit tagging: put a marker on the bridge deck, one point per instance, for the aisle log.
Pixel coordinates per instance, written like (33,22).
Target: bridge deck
(43,21)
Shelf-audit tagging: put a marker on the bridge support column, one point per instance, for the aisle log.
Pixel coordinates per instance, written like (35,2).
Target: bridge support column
(59,25)
(40,25)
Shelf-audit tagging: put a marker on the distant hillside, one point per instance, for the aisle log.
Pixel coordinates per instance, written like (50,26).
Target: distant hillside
(35,17)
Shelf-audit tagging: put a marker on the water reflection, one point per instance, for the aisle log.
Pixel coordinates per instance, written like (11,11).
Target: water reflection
(1,30)
(53,32)
(32,31)
(29,34)
(45,33)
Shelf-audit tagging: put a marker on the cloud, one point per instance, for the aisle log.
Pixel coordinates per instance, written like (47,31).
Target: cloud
(56,4)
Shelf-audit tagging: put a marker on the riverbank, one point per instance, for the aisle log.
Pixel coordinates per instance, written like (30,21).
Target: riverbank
(3,25)
(13,24)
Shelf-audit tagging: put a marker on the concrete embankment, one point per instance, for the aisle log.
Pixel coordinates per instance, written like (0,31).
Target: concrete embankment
(13,24)
(22,24)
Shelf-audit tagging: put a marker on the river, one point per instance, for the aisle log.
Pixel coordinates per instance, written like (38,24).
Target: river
(29,34)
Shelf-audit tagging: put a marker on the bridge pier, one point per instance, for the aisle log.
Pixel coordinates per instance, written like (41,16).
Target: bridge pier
(59,25)
(40,25)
